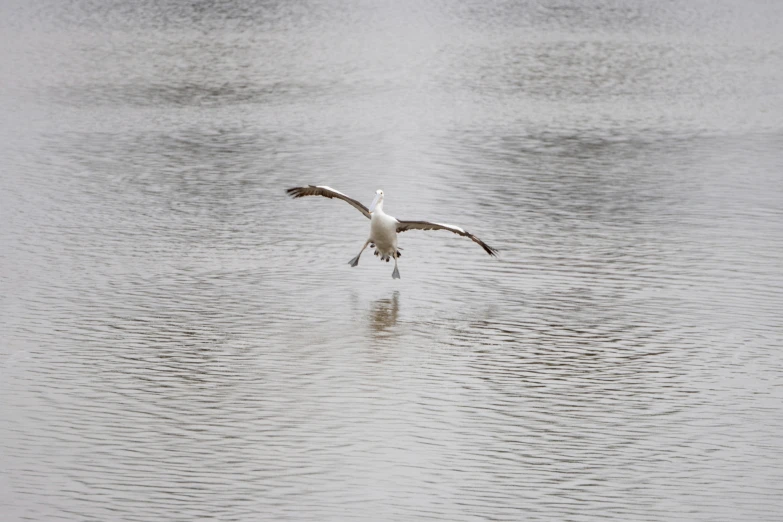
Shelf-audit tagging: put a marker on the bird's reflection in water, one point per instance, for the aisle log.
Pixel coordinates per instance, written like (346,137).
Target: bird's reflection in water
(383,314)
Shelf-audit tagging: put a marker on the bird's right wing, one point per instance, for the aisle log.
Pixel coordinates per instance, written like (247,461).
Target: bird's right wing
(327,192)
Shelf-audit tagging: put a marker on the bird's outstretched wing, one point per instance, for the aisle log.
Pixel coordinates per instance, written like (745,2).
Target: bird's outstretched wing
(327,192)
(426,225)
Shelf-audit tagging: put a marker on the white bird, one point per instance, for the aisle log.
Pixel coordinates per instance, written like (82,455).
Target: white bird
(383,227)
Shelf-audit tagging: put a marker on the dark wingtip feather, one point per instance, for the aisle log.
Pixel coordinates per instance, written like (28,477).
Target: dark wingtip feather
(489,250)
(295,192)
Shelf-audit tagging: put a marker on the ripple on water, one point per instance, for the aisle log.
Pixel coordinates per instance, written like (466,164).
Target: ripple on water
(182,341)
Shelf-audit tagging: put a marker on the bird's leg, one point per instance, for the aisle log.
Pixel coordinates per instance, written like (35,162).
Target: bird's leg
(355,260)
(396,273)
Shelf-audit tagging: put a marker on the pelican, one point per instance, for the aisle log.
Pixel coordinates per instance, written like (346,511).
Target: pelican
(383,227)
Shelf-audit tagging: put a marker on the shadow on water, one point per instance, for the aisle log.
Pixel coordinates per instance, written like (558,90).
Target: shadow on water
(383,315)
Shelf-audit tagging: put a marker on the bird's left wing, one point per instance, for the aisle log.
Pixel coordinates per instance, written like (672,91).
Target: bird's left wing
(402,226)
(327,192)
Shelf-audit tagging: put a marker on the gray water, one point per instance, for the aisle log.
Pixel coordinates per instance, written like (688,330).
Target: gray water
(180,341)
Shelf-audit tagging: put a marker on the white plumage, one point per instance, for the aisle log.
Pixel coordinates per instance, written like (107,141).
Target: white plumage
(383,227)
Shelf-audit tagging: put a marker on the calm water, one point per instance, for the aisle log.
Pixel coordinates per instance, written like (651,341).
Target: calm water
(179,341)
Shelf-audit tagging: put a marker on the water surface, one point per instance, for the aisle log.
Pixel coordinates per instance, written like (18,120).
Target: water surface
(180,341)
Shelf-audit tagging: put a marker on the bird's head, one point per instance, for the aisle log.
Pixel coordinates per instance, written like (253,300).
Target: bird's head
(378,201)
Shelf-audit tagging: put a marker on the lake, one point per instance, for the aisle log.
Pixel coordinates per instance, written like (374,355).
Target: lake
(181,341)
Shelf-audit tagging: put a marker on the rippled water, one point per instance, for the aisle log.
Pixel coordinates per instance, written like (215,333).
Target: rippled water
(180,341)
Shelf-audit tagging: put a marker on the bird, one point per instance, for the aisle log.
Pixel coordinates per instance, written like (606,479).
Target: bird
(383,227)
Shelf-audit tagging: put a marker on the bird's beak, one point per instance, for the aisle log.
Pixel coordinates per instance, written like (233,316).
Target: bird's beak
(375,202)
